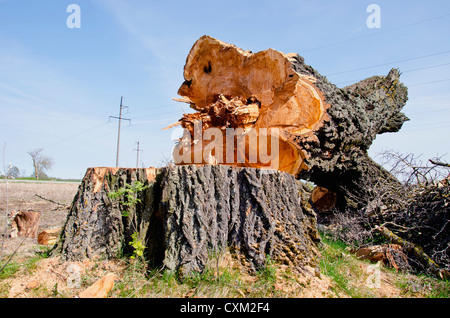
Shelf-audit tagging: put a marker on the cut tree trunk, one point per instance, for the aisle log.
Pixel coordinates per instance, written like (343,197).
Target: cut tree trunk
(322,199)
(187,212)
(48,237)
(315,130)
(26,224)
(416,250)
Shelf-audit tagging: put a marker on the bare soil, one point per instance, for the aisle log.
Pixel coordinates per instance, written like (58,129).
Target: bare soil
(23,196)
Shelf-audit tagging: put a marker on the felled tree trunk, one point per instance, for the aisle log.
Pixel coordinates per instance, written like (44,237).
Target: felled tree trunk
(275,103)
(186,212)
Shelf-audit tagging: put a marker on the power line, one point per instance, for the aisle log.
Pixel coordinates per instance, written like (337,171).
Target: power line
(394,62)
(118,134)
(426,128)
(407,71)
(141,110)
(75,135)
(157,114)
(426,67)
(373,34)
(429,124)
(432,82)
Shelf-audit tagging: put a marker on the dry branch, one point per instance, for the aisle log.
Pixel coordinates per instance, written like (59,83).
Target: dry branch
(49,200)
(417,251)
(438,163)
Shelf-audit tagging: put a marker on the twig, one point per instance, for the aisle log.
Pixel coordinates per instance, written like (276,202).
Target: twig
(13,253)
(17,248)
(59,274)
(438,163)
(41,197)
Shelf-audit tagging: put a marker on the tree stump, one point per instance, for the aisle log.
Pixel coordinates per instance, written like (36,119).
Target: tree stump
(26,223)
(186,212)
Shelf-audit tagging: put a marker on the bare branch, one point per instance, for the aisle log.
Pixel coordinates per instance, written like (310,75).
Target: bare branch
(41,162)
(437,163)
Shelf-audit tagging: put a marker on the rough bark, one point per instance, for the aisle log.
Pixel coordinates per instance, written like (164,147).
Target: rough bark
(323,131)
(338,159)
(95,224)
(254,212)
(187,212)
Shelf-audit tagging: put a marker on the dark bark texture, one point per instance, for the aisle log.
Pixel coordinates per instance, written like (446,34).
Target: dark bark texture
(187,212)
(337,155)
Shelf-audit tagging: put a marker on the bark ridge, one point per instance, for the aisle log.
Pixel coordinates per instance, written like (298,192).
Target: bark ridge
(186,212)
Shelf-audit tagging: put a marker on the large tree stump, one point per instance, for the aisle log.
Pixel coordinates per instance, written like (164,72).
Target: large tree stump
(321,132)
(186,212)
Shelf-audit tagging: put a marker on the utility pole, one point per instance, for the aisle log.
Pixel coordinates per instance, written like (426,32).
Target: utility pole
(120,121)
(137,159)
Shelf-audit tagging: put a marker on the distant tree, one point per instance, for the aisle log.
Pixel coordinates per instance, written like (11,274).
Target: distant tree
(40,162)
(13,172)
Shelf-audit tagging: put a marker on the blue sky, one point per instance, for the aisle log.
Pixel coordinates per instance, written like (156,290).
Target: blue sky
(58,86)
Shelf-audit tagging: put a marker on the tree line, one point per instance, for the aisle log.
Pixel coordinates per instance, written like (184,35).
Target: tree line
(41,165)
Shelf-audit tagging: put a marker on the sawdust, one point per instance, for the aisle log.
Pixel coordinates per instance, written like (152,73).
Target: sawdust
(22,197)
(58,279)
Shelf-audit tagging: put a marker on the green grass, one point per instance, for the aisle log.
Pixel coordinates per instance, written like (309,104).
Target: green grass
(215,281)
(424,285)
(28,265)
(350,276)
(225,277)
(338,265)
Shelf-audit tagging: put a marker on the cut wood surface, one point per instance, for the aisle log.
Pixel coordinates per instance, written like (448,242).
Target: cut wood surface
(26,223)
(48,237)
(100,288)
(322,199)
(416,250)
(323,131)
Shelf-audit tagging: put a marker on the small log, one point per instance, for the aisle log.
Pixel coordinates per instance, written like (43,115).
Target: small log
(100,288)
(417,251)
(26,223)
(322,199)
(48,237)
(389,254)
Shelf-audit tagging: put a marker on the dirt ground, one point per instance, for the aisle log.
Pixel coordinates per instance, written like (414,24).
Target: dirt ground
(23,196)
